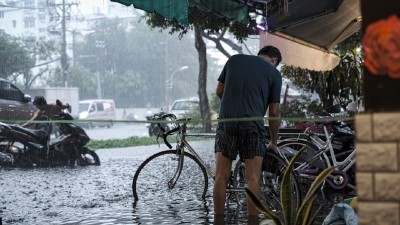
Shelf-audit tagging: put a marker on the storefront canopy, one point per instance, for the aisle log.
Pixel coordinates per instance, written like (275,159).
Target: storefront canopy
(179,9)
(321,24)
(306,33)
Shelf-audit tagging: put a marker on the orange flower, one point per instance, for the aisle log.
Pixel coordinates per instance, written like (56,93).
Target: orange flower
(381,44)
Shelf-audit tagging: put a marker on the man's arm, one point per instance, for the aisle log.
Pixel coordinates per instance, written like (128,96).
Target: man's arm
(273,121)
(220,89)
(32,119)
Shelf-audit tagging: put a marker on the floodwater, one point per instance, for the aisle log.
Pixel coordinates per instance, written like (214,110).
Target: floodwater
(99,194)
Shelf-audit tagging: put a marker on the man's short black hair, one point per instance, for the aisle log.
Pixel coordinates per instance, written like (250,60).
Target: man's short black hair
(272,52)
(39,100)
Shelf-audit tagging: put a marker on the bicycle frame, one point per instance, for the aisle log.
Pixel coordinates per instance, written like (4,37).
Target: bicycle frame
(324,150)
(182,146)
(326,146)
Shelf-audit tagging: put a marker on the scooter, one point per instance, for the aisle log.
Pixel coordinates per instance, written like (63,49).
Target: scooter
(25,147)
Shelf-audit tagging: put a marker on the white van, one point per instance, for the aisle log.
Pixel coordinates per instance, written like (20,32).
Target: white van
(101,111)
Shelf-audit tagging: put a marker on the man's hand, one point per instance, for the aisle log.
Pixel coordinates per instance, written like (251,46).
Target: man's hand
(273,147)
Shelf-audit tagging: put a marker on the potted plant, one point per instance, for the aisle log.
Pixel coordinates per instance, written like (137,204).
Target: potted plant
(303,214)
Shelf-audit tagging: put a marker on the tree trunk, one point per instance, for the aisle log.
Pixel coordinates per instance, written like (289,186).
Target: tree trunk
(202,81)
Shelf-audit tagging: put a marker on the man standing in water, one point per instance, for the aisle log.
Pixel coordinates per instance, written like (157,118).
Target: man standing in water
(248,86)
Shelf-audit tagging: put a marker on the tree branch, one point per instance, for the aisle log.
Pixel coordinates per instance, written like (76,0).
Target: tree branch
(46,63)
(221,39)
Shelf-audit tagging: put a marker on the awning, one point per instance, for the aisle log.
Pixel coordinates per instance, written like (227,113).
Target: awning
(300,55)
(306,35)
(178,9)
(310,31)
(322,23)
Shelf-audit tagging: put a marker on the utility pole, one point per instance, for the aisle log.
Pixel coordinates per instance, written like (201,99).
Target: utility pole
(61,10)
(64,56)
(101,52)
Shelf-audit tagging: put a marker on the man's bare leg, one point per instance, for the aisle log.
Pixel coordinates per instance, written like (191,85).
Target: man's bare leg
(253,173)
(222,174)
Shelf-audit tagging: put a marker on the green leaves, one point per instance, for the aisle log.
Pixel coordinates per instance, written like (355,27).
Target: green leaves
(262,208)
(14,58)
(303,213)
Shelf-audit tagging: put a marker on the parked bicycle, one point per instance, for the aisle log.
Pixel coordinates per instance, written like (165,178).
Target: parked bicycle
(181,174)
(328,143)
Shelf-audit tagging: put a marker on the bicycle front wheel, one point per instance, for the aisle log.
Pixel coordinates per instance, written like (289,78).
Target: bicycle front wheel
(152,178)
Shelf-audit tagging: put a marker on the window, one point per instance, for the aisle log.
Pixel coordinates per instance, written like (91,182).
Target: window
(184,105)
(10,92)
(100,107)
(29,22)
(1,14)
(42,16)
(83,107)
(14,22)
(42,6)
(29,4)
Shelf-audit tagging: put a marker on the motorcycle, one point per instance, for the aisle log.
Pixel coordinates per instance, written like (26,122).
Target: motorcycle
(154,128)
(25,147)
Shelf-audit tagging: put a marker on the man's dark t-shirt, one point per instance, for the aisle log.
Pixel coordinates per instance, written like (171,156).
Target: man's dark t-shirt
(250,84)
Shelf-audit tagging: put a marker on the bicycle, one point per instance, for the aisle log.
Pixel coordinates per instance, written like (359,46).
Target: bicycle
(331,145)
(319,155)
(181,174)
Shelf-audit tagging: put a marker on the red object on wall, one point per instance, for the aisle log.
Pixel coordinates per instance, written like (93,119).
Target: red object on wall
(381,92)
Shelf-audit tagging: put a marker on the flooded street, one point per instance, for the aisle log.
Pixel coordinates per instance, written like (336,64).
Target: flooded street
(97,194)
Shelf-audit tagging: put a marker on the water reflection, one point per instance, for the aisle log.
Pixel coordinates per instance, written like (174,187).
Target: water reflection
(155,212)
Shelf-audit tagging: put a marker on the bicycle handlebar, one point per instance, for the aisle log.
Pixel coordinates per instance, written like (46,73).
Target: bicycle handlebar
(164,134)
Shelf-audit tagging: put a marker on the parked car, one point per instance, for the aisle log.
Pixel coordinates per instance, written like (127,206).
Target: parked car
(182,107)
(190,107)
(100,111)
(15,106)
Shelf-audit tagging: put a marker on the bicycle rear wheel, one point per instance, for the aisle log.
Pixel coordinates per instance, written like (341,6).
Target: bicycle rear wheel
(271,177)
(151,180)
(308,165)
(310,158)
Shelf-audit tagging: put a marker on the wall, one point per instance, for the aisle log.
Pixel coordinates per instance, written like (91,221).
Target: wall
(378,168)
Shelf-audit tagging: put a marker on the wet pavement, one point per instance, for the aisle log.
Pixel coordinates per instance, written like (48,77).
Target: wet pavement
(98,194)
(101,194)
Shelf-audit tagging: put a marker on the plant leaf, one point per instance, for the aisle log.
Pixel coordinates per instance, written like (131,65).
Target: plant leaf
(286,188)
(318,181)
(311,221)
(261,207)
(308,211)
(315,184)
